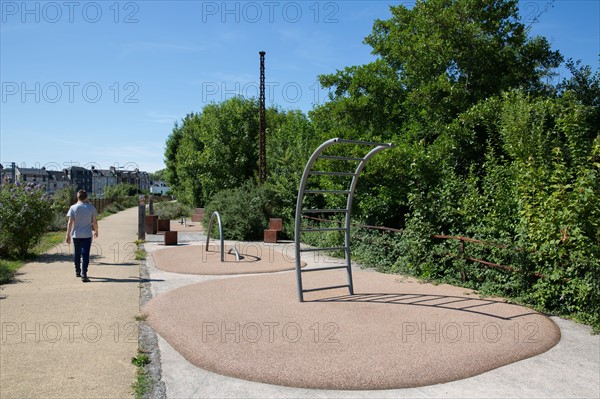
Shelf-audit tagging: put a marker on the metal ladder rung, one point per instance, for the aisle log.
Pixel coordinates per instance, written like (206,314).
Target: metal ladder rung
(318,173)
(323,268)
(322,249)
(326,192)
(339,158)
(323,210)
(324,229)
(331,287)
(359,142)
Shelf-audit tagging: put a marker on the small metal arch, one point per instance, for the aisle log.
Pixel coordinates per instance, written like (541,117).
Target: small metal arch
(215,213)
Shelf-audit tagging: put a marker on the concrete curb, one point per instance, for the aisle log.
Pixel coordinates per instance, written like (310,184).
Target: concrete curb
(148,342)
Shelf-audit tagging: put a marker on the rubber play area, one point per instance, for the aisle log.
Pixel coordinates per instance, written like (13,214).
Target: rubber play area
(393,333)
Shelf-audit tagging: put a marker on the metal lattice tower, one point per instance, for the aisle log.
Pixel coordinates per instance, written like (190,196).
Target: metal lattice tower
(262,125)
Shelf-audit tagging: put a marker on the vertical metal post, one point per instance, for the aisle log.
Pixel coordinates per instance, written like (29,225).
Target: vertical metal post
(262,143)
(151,205)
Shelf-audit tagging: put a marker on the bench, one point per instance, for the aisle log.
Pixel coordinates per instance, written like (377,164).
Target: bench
(275,226)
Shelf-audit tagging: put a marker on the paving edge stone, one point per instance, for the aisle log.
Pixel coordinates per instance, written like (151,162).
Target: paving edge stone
(148,341)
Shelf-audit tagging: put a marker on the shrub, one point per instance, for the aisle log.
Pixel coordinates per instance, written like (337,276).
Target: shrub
(112,208)
(244,211)
(63,199)
(58,221)
(25,215)
(172,210)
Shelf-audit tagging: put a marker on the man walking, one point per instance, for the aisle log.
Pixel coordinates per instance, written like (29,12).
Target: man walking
(82,223)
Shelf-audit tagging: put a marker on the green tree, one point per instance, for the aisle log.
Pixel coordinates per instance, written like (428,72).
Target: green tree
(436,60)
(450,54)
(213,150)
(217,149)
(171,148)
(159,175)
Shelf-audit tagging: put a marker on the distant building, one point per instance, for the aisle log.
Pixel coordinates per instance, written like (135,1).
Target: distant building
(159,187)
(135,177)
(57,180)
(31,175)
(101,179)
(81,178)
(94,180)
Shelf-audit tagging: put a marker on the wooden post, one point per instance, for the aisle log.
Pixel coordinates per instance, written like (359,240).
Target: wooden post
(463,274)
(142,219)
(151,205)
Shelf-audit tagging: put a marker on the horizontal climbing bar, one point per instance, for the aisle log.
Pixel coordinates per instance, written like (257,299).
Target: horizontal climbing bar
(326,192)
(339,158)
(331,287)
(362,226)
(371,143)
(324,210)
(324,229)
(323,268)
(322,249)
(319,173)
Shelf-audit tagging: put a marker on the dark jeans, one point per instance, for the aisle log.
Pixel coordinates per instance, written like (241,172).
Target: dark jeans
(82,250)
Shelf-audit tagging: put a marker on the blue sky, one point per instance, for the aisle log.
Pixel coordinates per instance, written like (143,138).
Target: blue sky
(103,82)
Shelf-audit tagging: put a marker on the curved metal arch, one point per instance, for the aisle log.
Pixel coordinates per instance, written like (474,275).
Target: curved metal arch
(348,211)
(215,213)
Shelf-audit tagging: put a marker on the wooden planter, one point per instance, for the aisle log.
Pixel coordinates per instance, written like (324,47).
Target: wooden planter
(170,238)
(151,224)
(164,225)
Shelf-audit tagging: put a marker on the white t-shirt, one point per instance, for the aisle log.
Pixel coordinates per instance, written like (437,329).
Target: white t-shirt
(82,214)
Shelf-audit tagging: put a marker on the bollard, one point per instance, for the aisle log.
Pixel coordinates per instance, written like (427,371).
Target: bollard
(142,219)
(151,224)
(170,238)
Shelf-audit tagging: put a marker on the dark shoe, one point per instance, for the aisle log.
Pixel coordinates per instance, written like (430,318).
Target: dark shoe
(85,279)
(77,274)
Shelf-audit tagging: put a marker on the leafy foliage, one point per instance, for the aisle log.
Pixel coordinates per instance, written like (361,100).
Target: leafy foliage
(25,214)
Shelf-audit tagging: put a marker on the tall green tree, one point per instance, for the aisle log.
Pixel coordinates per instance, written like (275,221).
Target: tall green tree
(217,149)
(450,54)
(438,59)
(213,150)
